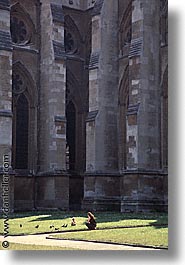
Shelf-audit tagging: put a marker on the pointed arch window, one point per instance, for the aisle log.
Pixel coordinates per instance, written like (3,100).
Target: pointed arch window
(72,37)
(70,45)
(125,27)
(22,121)
(19,30)
(21,26)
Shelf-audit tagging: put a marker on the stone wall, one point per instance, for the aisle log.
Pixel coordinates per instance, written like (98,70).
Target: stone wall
(144,191)
(103,94)
(109,58)
(52,92)
(144,125)
(52,192)
(5,102)
(77,4)
(5,82)
(101,184)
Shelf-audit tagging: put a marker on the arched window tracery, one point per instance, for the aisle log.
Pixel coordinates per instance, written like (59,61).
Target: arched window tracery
(21,132)
(72,36)
(24,122)
(21,26)
(125,28)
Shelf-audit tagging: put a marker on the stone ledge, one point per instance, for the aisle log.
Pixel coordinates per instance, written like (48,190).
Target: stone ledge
(5,41)
(5,4)
(57,13)
(97,8)
(92,116)
(6,113)
(94,61)
(60,118)
(143,206)
(59,50)
(102,174)
(144,172)
(101,204)
(136,47)
(57,173)
(25,49)
(133,109)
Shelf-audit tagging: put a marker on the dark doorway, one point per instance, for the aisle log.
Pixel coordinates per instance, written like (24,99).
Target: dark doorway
(71,136)
(22,119)
(76,192)
(75,181)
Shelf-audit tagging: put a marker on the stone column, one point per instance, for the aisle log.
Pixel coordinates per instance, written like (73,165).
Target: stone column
(52,92)
(101,128)
(103,92)
(143,183)
(5,99)
(145,89)
(52,185)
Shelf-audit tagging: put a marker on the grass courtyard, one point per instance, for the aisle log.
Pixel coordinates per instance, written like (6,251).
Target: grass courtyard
(134,229)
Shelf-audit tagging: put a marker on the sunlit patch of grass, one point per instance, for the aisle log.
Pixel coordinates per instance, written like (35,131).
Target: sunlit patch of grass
(46,222)
(145,236)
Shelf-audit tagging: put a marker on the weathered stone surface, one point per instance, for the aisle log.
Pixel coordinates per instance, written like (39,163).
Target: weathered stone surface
(97,7)
(94,76)
(143,193)
(24,193)
(105,129)
(59,50)
(4,4)
(101,193)
(57,13)
(52,192)
(5,41)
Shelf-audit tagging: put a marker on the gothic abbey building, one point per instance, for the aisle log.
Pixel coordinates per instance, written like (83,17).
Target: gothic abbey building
(83,104)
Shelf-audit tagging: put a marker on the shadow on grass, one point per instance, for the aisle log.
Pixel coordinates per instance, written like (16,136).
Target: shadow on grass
(156,219)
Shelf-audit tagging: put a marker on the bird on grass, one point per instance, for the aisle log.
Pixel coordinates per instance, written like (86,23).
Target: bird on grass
(37,226)
(20,225)
(65,225)
(51,226)
(56,229)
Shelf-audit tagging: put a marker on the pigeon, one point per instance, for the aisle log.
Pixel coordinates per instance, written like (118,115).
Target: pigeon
(65,225)
(37,226)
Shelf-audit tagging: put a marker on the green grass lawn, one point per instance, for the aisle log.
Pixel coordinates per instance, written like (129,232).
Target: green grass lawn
(156,234)
(29,221)
(15,246)
(145,236)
